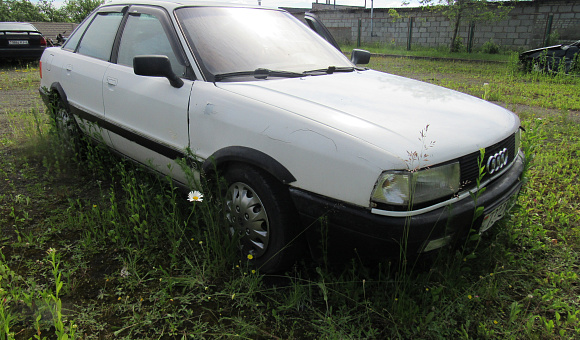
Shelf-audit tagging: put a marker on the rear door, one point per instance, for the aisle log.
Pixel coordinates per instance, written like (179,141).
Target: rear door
(149,117)
(83,70)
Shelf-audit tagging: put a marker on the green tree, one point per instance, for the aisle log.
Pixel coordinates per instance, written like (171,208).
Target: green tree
(25,10)
(4,10)
(468,11)
(19,10)
(52,13)
(78,10)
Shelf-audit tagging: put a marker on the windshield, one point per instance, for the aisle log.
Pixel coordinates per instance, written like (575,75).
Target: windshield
(228,40)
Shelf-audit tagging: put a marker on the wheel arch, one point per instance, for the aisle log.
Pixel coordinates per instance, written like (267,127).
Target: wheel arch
(222,158)
(56,89)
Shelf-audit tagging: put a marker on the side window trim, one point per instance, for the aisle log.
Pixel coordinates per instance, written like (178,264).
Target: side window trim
(81,31)
(117,40)
(317,26)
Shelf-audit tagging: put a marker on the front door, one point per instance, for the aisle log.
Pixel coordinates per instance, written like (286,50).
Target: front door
(149,117)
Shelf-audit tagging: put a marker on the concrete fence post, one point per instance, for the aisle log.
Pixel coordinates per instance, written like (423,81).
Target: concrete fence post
(470,38)
(358,32)
(548,29)
(410,35)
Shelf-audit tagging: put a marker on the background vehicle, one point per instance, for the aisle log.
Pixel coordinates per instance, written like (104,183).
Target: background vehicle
(552,58)
(60,39)
(297,130)
(20,40)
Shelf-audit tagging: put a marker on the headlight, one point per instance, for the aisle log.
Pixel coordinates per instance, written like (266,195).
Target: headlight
(406,188)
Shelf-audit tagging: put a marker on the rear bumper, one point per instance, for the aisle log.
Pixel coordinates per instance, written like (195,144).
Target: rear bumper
(21,53)
(348,227)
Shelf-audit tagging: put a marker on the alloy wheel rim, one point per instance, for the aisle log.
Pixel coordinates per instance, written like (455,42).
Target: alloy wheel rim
(65,124)
(247,219)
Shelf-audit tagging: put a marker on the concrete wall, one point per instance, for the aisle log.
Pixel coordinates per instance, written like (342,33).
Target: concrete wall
(525,26)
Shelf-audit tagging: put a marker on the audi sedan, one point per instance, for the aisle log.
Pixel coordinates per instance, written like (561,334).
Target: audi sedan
(20,40)
(306,139)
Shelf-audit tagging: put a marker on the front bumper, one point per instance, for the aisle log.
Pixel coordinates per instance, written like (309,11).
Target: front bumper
(346,227)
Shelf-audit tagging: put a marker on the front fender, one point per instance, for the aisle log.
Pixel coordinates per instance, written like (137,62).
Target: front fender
(249,156)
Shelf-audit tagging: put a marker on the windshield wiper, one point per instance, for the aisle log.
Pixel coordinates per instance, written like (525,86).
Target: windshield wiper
(259,73)
(330,70)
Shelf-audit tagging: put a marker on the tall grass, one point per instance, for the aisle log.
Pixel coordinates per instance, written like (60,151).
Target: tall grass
(129,257)
(440,52)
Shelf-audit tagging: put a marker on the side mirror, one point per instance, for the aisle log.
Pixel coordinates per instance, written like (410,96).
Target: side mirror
(360,57)
(156,66)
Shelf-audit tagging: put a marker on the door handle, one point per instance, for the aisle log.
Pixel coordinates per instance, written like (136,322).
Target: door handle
(112,81)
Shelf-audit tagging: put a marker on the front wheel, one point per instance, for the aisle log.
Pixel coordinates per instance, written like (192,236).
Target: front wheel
(261,215)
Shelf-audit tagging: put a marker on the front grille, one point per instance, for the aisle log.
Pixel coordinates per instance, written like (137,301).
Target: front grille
(469,163)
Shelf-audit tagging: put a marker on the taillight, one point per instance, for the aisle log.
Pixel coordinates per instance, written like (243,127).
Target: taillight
(40,68)
(42,41)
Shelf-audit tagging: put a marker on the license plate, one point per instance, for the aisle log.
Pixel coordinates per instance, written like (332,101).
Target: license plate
(17,42)
(497,214)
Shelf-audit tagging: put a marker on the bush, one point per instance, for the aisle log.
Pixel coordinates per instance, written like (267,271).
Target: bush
(457,45)
(490,47)
(553,38)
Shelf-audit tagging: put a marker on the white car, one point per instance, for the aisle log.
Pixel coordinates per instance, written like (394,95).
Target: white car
(297,129)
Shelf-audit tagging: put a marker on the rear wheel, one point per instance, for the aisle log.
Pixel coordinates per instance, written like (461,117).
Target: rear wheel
(261,215)
(66,127)
(537,66)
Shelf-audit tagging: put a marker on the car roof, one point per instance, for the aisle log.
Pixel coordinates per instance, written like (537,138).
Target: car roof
(172,4)
(17,26)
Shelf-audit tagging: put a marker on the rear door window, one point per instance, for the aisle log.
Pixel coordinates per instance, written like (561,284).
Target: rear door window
(98,40)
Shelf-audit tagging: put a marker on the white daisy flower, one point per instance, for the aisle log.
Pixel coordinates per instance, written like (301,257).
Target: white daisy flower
(195,196)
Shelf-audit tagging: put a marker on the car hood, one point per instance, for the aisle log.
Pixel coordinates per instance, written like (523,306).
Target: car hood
(396,114)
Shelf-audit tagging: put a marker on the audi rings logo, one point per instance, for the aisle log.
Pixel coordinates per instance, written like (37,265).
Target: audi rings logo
(496,162)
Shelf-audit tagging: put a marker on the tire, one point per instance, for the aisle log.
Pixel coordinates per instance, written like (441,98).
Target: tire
(260,213)
(527,65)
(538,67)
(66,127)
